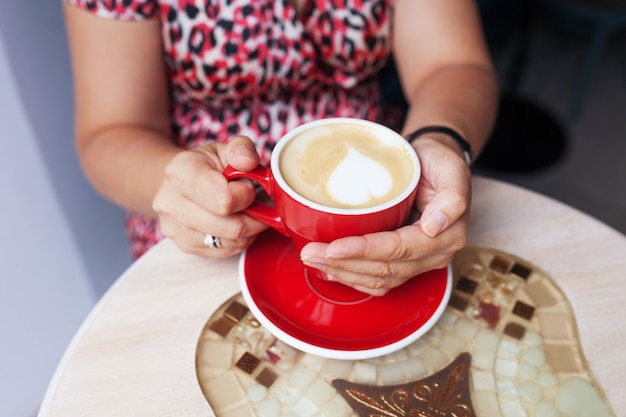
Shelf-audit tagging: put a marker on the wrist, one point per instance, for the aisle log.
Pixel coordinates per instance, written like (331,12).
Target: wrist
(450,134)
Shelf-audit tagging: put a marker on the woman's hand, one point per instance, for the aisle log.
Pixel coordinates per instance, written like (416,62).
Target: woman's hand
(195,199)
(377,262)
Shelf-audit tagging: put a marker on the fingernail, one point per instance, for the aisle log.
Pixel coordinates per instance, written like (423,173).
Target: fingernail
(244,151)
(434,223)
(312,262)
(309,258)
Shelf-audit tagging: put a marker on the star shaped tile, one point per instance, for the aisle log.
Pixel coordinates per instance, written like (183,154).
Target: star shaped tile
(443,394)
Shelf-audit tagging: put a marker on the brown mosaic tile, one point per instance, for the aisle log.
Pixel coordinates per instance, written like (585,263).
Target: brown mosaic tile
(500,264)
(515,330)
(556,327)
(248,363)
(563,358)
(466,285)
(235,311)
(541,294)
(222,326)
(266,377)
(521,271)
(457,302)
(523,310)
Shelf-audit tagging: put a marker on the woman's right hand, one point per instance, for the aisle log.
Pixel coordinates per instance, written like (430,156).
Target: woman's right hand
(195,199)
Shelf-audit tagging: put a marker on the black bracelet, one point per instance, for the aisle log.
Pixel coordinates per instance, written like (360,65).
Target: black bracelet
(465,146)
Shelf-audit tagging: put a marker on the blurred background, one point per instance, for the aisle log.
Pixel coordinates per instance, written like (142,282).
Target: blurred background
(562,124)
(561,131)
(61,245)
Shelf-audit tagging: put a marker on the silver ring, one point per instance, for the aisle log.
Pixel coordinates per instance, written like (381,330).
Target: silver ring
(211,241)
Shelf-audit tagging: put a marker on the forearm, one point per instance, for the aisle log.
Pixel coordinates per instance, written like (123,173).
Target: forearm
(449,78)
(463,97)
(125,164)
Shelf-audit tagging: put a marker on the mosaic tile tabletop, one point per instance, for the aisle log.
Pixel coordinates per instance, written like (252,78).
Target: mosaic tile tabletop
(507,345)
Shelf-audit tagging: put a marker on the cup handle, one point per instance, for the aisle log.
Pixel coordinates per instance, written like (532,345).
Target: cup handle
(262,212)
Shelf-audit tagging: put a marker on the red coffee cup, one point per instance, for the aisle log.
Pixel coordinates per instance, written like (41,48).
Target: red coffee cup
(304,220)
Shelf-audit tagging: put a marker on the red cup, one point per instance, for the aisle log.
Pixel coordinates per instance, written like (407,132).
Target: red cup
(304,221)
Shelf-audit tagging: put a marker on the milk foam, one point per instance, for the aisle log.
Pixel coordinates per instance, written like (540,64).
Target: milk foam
(345,165)
(357,179)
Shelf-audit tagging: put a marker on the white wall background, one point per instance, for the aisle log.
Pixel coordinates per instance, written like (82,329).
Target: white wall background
(61,245)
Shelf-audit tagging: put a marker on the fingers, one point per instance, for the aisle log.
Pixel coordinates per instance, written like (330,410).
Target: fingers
(241,154)
(197,243)
(235,232)
(375,277)
(191,176)
(444,191)
(445,208)
(195,199)
(377,262)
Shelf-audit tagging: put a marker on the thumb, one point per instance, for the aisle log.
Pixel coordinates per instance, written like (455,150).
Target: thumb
(445,208)
(241,154)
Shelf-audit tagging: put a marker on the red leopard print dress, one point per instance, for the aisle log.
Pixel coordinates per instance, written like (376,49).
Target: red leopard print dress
(254,67)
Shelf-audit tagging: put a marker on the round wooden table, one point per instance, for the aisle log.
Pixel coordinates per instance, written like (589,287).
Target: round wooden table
(134,354)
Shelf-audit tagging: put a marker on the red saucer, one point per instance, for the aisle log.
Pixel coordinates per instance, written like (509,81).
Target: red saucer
(282,298)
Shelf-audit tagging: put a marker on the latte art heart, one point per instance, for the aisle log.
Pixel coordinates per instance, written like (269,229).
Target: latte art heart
(357,179)
(346,165)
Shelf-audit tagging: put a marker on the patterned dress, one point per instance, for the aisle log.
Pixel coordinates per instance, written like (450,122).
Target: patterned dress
(255,67)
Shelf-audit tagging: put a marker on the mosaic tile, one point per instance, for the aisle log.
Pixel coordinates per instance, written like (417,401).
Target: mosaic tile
(248,363)
(500,264)
(266,377)
(319,392)
(489,312)
(224,391)
(457,302)
(244,410)
(222,326)
(555,327)
(505,315)
(221,357)
(542,294)
(563,358)
(521,271)
(514,330)
(483,381)
(483,359)
(269,407)
(336,407)
(467,285)
(365,373)
(531,393)
(434,358)
(390,373)
(412,368)
(485,403)
(235,311)
(523,310)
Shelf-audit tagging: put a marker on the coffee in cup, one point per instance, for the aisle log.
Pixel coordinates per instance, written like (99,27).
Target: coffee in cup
(346,165)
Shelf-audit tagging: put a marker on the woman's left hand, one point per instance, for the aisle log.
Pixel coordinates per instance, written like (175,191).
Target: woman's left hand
(377,262)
